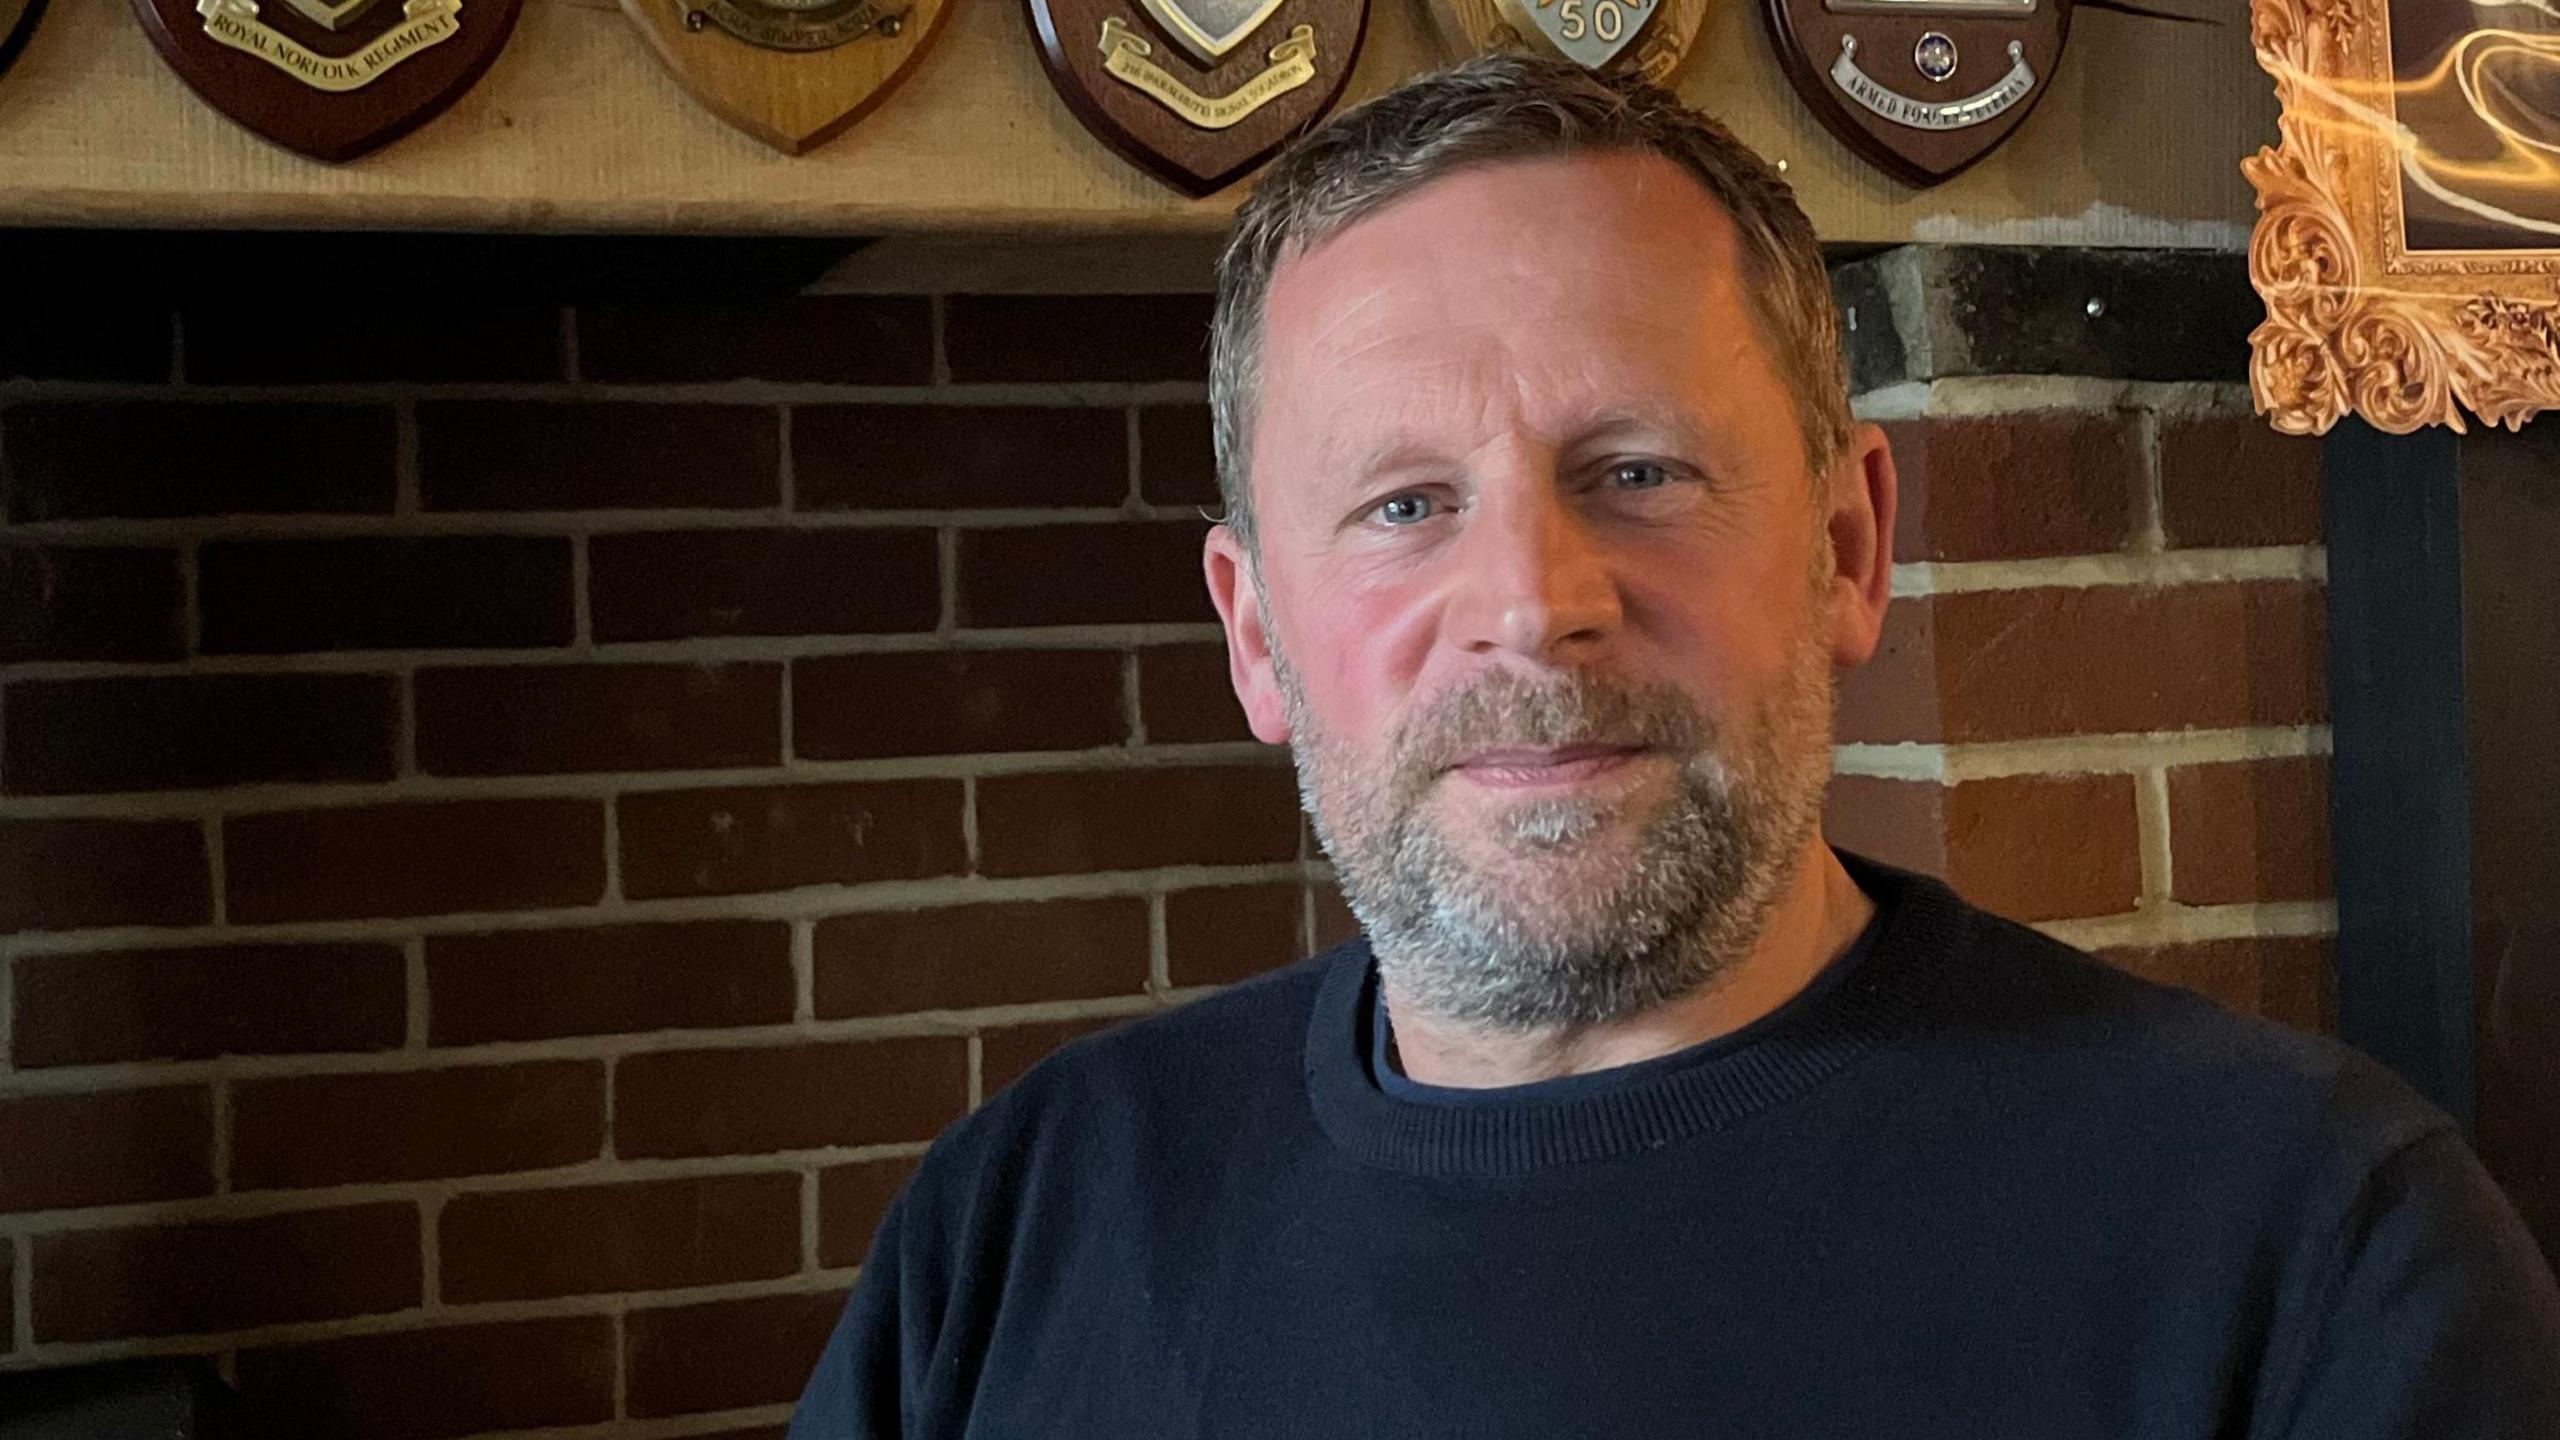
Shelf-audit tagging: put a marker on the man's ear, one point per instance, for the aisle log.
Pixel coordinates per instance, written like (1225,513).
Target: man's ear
(1865,491)
(1249,666)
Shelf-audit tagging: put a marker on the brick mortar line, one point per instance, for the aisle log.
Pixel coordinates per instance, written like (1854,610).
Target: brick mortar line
(970,852)
(22,1306)
(222,1119)
(260,1204)
(786,465)
(2175,924)
(1133,711)
(1159,948)
(912,1025)
(619,1337)
(431,1253)
(582,605)
(1136,499)
(739,649)
(787,725)
(190,599)
(2148,517)
(612,851)
(804,971)
(814,902)
(1995,396)
(977,1069)
(2151,835)
(2169,568)
(572,360)
(808,1223)
(404,724)
(418,1014)
(408,485)
(419,1317)
(744,394)
(217,872)
(946,581)
(2077,754)
(472,524)
(607,784)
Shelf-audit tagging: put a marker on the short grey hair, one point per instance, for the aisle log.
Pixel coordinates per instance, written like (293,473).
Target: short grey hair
(1507,106)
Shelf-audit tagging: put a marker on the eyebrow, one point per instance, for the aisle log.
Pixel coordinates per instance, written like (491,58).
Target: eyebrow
(1404,453)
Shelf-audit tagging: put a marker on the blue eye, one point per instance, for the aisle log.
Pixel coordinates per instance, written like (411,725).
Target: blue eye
(1638,475)
(1405,509)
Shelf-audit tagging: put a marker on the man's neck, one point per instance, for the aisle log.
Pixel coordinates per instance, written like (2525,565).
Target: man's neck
(1821,912)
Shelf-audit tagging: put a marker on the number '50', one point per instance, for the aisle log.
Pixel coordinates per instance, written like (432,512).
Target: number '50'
(1607,19)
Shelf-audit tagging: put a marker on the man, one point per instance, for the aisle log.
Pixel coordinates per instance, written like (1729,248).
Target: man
(1638,1111)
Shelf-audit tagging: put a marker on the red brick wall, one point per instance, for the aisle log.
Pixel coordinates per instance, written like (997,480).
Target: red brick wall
(513,833)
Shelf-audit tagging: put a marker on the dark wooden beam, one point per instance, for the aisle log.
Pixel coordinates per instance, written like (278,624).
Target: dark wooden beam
(2400,799)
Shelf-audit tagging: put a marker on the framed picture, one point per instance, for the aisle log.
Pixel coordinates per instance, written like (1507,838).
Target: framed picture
(2408,236)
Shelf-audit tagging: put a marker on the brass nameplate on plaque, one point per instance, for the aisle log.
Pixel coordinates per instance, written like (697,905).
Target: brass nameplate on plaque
(1293,63)
(235,23)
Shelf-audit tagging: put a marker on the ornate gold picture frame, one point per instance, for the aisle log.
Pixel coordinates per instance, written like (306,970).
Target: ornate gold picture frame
(2408,236)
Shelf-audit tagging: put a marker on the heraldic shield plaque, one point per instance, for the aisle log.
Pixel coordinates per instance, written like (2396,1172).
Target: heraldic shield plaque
(1650,37)
(792,73)
(1921,88)
(329,78)
(1198,92)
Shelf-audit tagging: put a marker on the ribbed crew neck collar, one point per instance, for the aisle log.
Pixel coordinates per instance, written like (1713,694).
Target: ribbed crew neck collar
(1870,993)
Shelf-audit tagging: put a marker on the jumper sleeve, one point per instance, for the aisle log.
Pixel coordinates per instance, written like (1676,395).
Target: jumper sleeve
(2441,1318)
(856,1391)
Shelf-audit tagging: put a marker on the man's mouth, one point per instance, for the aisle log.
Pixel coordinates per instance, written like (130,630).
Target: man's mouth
(1545,765)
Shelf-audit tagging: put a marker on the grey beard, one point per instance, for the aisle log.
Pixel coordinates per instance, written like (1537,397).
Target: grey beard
(1455,943)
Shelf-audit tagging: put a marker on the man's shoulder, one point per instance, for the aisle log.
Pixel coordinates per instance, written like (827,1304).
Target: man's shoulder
(1244,1026)
(1135,1081)
(2106,1041)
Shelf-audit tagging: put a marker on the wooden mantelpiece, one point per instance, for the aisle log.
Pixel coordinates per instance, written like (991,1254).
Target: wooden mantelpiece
(577,128)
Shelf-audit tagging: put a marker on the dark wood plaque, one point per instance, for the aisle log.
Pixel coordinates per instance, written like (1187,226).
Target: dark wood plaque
(17,22)
(1198,92)
(1921,88)
(792,76)
(330,79)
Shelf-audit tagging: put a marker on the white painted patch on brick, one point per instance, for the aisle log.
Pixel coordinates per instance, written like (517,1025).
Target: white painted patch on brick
(2308,564)
(2173,924)
(1891,762)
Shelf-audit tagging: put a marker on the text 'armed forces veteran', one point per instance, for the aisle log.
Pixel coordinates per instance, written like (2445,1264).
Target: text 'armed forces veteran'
(1639,1111)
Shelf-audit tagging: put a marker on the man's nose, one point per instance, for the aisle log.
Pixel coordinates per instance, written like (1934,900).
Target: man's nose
(1532,579)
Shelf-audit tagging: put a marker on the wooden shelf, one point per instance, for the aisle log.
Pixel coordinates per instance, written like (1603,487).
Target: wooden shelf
(576,128)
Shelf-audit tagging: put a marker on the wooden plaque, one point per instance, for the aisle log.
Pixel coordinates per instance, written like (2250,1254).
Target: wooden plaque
(1198,92)
(2408,240)
(17,22)
(1650,37)
(331,79)
(1920,88)
(792,76)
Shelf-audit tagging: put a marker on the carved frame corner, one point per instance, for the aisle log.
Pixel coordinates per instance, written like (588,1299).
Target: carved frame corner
(2354,322)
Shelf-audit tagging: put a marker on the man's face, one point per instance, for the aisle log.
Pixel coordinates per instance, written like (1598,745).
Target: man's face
(1549,599)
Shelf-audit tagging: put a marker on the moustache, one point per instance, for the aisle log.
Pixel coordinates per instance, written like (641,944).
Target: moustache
(1506,710)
